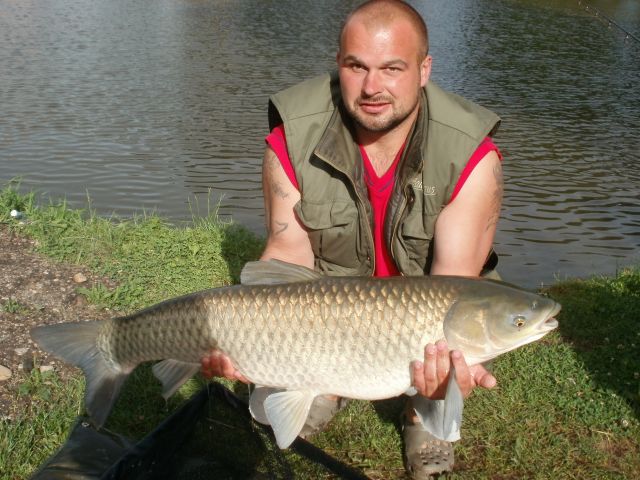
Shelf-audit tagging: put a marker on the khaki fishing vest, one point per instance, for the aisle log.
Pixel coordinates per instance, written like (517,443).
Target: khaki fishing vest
(334,206)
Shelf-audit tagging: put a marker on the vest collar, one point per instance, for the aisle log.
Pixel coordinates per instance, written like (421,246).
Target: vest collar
(339,148)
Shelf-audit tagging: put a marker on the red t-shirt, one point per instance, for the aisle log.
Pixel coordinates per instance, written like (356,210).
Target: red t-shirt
(379,189)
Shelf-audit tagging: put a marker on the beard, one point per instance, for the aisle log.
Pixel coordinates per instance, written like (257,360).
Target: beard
(384,122)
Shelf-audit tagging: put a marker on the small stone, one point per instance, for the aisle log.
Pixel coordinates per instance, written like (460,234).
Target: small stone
(46,368)
(80,301)
(79,278)
(21,351)
(5,373)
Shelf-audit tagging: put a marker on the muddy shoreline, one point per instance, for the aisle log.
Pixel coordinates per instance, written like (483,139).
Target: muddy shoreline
(35,290)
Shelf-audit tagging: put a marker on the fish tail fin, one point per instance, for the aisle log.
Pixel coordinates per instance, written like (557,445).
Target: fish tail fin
(76,344)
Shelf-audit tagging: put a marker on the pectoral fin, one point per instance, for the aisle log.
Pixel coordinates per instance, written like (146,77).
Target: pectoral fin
(442,418)
(172,374)
(454,404)
(287,412)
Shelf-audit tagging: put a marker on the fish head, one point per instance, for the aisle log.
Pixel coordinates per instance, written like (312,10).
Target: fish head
(492,318)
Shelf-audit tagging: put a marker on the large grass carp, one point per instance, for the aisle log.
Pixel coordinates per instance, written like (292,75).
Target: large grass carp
(291,328)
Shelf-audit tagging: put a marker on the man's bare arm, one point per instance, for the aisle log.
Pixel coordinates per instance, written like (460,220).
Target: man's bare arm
(287,240)
(466,227)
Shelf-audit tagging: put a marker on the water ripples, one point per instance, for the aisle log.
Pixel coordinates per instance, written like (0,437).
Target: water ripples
(161,106)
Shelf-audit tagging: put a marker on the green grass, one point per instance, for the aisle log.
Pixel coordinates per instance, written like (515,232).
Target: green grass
(566,407)
(50,407)
(11,306)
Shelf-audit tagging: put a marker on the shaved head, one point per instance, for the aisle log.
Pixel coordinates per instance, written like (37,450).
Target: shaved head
(375,14)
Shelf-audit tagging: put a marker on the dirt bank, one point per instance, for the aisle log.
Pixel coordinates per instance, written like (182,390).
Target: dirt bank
(34,290)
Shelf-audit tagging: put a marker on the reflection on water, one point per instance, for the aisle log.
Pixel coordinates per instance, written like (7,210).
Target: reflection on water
(152,104)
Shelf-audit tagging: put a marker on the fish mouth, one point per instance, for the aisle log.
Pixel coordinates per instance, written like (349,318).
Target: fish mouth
(550,323)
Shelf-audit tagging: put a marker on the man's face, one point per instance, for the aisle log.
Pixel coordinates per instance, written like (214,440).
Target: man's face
(381,74)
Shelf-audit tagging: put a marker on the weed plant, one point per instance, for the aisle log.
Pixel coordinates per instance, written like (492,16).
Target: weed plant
(565,407)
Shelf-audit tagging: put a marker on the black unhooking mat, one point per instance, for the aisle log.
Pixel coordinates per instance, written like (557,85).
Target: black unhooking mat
(169,452)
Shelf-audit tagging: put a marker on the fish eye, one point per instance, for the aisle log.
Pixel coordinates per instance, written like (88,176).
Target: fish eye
(519,321)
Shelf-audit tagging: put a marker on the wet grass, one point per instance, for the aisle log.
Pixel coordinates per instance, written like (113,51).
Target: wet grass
(565,407)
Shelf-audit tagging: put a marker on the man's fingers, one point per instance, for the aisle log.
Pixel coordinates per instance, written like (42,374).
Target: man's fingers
(430,369)
(242,378)
(431,377)
(417,375)
(465,380)
(442,361)
(216,364)
(483,377)
(228,370)
(205,364)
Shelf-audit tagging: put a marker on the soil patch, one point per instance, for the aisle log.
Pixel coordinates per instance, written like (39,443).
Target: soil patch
(35,290)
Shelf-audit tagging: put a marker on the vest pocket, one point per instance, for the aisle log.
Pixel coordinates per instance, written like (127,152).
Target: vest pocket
(332,229)
(416,238)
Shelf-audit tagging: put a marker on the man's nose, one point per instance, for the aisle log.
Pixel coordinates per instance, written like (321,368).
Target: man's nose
(371,84)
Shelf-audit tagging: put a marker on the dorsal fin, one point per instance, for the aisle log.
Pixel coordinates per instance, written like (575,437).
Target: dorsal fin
(272,272)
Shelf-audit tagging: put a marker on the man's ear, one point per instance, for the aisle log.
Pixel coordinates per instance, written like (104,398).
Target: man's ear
(425,70)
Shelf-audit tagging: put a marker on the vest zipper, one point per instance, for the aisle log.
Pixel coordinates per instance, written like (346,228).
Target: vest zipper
(371,255)
(396,225)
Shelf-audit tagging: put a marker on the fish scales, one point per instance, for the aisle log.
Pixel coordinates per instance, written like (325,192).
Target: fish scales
(339,326)
(173,329)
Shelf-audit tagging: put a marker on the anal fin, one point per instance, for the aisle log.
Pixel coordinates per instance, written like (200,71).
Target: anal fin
(172,374)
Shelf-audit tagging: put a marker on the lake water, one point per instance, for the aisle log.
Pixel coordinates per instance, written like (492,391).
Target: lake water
(161,106)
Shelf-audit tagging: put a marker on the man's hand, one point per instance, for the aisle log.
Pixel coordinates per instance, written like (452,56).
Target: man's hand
(217,364)
(431,377)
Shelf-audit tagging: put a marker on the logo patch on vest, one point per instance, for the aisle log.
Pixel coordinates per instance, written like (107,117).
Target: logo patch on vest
(428,190)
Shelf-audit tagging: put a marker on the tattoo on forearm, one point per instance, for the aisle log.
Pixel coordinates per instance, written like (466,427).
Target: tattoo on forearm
(276,188)
(272,188)
(282,226)
(496,201)
(270,160)
(271,164)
